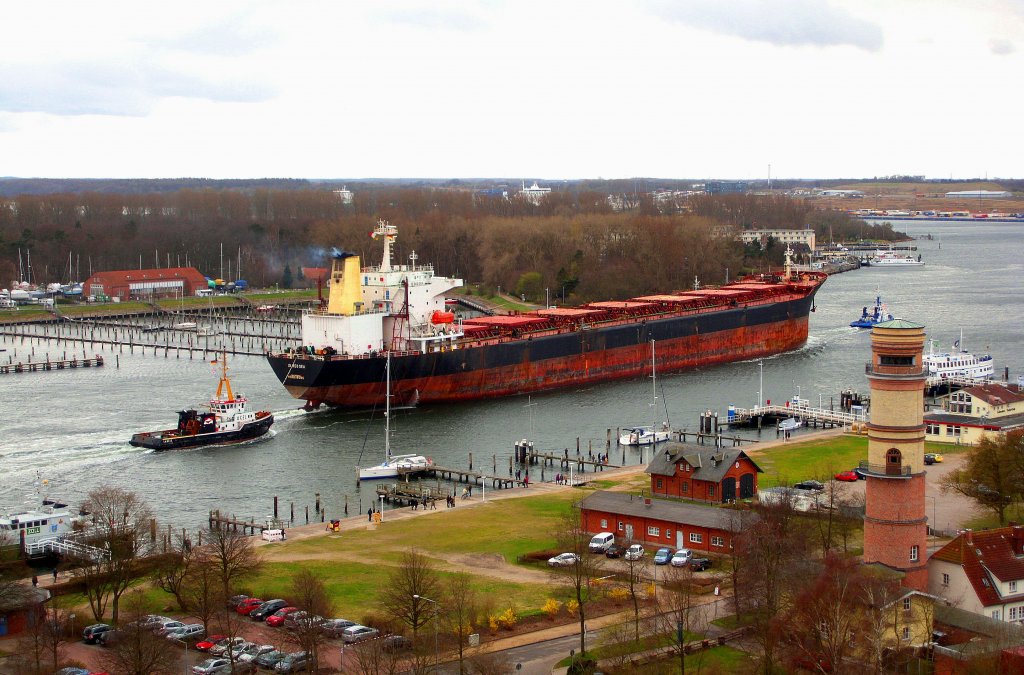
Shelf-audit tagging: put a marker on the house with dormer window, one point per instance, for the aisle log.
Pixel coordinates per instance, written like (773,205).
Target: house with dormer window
(982,572)
(708,474)
(968,415)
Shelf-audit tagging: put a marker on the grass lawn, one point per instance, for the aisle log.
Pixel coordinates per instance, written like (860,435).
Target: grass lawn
(1014,512)
(305,293)
(821,459)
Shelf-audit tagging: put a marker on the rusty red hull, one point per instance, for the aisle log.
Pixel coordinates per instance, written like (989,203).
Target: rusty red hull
(569,359)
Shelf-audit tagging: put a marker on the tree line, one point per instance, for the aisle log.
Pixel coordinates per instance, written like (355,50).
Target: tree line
(577,244)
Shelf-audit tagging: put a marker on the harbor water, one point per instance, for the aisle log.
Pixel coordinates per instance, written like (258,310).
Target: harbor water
(72,426)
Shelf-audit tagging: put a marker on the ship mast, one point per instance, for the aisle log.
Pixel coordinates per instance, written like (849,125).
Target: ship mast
(225,383)
(789,262)
(389,232)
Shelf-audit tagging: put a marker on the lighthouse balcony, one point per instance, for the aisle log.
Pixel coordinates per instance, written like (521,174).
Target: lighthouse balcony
(885,470)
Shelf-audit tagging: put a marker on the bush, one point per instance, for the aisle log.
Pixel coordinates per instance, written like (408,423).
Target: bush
(618,594)
(508,619)
(551,608)
(572,607)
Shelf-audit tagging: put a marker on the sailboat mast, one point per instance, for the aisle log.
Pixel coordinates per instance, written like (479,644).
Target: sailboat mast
(654,391)
(387,410)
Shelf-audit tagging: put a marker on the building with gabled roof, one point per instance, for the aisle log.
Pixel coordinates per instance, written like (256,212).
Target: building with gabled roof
(970,414)
(982,572)
(146,284)
(707,474)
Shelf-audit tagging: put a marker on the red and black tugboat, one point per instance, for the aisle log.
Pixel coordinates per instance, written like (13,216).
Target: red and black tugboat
(228,421)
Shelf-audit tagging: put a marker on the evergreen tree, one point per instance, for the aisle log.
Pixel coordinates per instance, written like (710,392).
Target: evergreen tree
(286,278)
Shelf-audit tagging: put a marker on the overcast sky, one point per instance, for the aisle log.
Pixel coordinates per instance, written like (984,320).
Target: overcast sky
(516,89)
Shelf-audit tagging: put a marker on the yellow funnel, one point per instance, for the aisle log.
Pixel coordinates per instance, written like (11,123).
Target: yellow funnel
(344,286)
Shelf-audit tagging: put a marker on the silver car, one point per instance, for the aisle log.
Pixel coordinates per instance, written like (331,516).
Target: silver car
(358,633)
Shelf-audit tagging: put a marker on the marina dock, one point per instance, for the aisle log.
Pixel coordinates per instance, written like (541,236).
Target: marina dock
(822,417)
(42,366)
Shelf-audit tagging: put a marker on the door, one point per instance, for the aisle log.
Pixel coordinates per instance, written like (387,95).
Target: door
(629,532)
(679,539)
(728,489)
(746,486)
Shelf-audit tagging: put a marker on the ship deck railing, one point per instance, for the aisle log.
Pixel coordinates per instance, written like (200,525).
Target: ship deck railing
(961,380)
(68,547)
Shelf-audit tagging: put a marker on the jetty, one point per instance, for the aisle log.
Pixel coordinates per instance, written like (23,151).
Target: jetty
(823,417)
(42,366)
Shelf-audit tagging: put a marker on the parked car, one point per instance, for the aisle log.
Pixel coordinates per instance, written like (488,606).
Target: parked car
(932,458)
(395,643)
(250,654)
(72,671)
(236,600)
(937,457)
(110,638)
(270,659)
(358,633)
(700,564)
(293,663)
(809,485)
(266,609)
(212,666)
(846,477)
(634,552)
(615,551)
(192,631)
(563,560)
(247,605)
(238,650)
(600,542)
(278,617)
(152,621)
(334,627)
(210,641)
(862,474)
(93,632)
(166,627)
(225,645)
(302,620)
(681,558)
(662,556)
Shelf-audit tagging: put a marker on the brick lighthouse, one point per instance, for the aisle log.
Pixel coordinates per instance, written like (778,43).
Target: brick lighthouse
(895,524)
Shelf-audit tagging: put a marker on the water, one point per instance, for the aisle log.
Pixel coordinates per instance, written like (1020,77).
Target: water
(73,426)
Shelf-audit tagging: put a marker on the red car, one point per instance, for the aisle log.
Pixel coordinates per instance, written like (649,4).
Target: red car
(248,605)
(209,642)
(278,617)
(846,477)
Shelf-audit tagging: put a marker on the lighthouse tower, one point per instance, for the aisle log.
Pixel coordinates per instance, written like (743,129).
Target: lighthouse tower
(895,525)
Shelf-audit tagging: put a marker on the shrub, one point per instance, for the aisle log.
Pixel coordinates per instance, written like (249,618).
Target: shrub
(572,607)
(650,591)
(551,608)
(618,594)
(508,618)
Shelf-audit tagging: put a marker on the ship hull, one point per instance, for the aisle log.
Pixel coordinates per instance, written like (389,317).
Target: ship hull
(163,440)
(553,361)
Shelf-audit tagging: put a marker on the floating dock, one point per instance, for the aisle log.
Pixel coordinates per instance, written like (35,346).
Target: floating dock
(42,366)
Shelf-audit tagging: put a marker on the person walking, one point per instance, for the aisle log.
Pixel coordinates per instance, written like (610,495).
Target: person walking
(54,575)
(35,581)
(369,515)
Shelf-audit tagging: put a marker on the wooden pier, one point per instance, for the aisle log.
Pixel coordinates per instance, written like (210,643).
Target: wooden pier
(41,366)
(406,494)
(468,476)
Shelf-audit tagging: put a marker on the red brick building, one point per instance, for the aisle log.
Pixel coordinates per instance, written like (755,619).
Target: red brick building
(716,475)
(663,522)
(146,284)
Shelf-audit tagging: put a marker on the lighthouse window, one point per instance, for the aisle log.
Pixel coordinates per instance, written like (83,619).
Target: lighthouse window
(895,360)
(914,550)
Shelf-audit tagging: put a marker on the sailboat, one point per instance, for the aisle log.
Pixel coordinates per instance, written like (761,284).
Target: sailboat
(647,435)
(392,465)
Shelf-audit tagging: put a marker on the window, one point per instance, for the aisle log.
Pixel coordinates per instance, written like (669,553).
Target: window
(885,360)
(622,526)
(659,484)
(906,632)
(906,604)
(653,531)
(668,534)
(686,488)
(996,615)
(1013,586)
(717,541)
(914,550)
(945,580)
(696,538)
(604,523)
(711,491)
(1013,613)
(933,429)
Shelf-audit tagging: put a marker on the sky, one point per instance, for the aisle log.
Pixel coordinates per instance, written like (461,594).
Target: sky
(522,90)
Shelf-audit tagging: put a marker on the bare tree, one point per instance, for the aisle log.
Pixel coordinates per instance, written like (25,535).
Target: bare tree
(137,650)
(122,529)
(572,537)
(232,555)
(458,611)
(992,473)
(32,645)
(370,657)
(173,568)
(200,591)
(636,570)
(308,592)
(411,590)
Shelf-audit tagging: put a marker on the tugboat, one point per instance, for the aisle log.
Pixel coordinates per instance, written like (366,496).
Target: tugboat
(878,315)
(228,421)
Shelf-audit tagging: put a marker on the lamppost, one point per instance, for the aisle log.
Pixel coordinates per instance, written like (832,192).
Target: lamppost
(935,520)
(437,609)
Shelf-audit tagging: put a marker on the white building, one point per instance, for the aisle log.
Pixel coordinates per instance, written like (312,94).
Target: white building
(805,236)
(534,193)
(979,194)
(982,572)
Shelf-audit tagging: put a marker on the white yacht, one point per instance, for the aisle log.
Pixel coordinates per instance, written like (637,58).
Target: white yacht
(959,363)
(393,465)
(648,435)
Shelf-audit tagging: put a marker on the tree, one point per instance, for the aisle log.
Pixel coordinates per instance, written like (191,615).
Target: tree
(137,650)
(308,592)
(992,473)
(232,555)
(201,592)
(122,530)
(636,569)
(572,537)
(286,277)
(411,591)
(458,611)
(173,568)
(41,645)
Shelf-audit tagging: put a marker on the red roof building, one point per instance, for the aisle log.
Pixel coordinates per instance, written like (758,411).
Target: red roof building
(146,284)
(982,572)
(715,475)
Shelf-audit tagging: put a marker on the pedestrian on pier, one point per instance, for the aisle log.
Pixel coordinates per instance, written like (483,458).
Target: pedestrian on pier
(35,581)
(414,504)
(526,481)
(433,505)
(369,515)
(54,575)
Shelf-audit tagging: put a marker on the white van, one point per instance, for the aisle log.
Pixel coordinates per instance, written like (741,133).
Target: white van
(601,542)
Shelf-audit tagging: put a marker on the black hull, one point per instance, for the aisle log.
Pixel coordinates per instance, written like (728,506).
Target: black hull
(159,440)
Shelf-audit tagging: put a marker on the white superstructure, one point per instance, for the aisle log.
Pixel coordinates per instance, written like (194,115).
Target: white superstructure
(49,520)
(958,364)
(893,259)
(383,307)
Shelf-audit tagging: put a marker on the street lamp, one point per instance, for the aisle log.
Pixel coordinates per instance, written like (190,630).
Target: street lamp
(437,609)
(935,520)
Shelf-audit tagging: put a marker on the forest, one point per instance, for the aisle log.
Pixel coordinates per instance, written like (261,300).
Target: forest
(571,242)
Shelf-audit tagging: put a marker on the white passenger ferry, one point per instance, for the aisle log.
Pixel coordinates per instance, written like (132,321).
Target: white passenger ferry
(958,364)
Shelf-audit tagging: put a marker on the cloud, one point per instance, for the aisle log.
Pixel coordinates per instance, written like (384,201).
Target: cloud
(1001,47)
(777,22)
(431,17)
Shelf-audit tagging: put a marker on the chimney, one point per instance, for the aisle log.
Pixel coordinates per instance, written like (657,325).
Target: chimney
(970,538)
(647,501)
(1018,539)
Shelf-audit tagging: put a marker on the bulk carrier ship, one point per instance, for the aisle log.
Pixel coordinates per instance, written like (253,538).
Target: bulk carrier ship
(399,309)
